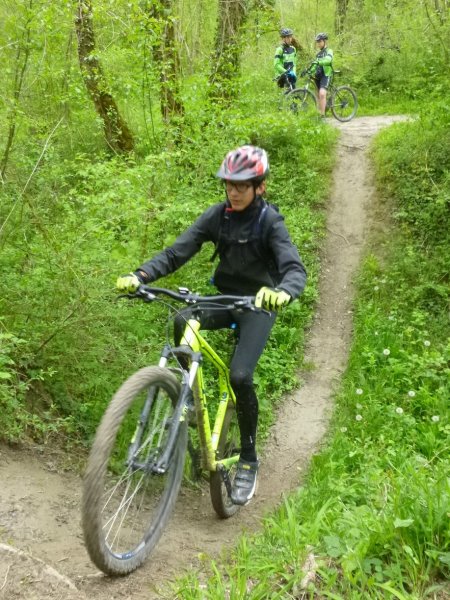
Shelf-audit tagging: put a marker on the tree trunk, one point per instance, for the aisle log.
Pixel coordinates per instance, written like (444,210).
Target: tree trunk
(226,61)
(167,59)
(441,8)
(117,132)
(340,15)
(23,47)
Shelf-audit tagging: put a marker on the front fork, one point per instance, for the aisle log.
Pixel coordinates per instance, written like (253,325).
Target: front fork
(179,415)
(184,403)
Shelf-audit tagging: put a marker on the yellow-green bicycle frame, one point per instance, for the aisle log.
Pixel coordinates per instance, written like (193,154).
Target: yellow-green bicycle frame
(209,439)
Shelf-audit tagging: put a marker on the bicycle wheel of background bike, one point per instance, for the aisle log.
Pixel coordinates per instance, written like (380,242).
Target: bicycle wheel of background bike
(343,103)
(229,445)
(125,504)
(301,101)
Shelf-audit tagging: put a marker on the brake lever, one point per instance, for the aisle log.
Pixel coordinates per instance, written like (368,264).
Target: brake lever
(241,304)
(146,296)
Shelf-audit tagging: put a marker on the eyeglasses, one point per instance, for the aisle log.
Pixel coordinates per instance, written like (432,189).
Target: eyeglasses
(241,187)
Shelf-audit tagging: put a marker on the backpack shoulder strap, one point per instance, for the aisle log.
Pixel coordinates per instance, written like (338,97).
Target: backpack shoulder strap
(270,213)
(223,216)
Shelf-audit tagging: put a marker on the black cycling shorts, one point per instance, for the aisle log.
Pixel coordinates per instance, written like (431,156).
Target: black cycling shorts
(322,81)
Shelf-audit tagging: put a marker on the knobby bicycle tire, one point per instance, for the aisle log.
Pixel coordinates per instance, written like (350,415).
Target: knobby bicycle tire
(126,504)
(301,101)
(343,103)
(229,445)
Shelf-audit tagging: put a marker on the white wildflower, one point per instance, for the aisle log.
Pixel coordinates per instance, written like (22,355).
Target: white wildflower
(399,410)
(343,429)
(359,391)
(386,351)
(411,393)
(427,343)
(358,417)
(359,406)
(435,418)
(376,288)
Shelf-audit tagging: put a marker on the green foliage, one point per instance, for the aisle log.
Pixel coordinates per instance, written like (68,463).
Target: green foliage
(417,172)
(392,60)
(19,376)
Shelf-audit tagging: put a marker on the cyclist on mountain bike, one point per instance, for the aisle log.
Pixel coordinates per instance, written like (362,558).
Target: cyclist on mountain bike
(322,69)
(285,61)
(256,257)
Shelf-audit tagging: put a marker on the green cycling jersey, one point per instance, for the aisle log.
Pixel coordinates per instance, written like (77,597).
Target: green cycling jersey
(285,59)
(324,60)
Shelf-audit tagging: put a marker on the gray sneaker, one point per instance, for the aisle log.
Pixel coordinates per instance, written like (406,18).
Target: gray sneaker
(244,483)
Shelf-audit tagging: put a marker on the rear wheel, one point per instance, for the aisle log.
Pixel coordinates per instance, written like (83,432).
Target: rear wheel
(126,501)
(301,101)
(343,103)
(229,445)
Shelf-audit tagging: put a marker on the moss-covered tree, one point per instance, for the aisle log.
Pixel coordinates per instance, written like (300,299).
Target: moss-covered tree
(231,18)
(166,57)
(117,133)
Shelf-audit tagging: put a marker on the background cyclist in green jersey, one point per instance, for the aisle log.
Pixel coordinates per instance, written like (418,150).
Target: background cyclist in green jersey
(285,61)
(322,70)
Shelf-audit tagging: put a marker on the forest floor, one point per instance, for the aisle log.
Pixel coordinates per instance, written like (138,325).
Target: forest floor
(42,555)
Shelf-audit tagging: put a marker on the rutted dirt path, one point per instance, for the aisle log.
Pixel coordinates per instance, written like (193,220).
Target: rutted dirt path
(42,555)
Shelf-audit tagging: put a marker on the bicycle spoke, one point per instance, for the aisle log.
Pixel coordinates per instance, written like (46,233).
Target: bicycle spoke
(124,504)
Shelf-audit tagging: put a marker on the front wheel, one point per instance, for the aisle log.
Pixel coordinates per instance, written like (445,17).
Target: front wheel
(343,103)
(228,446)
(301,101)
(127,499)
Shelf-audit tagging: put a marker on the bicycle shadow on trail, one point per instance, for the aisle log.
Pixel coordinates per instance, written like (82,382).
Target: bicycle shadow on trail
(40,506)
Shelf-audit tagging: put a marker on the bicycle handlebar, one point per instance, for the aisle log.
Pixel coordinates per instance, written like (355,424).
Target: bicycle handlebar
(306,73)
(149,294)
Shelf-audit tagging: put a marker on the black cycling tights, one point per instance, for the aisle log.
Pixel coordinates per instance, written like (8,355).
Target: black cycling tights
(253,332)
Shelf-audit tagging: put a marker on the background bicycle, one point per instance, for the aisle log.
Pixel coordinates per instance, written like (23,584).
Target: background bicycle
(297,100)
(136,463)
(341,100)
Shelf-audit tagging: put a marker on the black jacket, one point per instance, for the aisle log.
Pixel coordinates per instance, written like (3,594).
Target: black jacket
(248,258)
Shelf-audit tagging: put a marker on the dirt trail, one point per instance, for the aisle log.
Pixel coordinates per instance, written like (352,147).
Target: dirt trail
(42,554)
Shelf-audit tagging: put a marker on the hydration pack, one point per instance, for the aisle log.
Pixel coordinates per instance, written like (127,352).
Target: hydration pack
(260,229)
